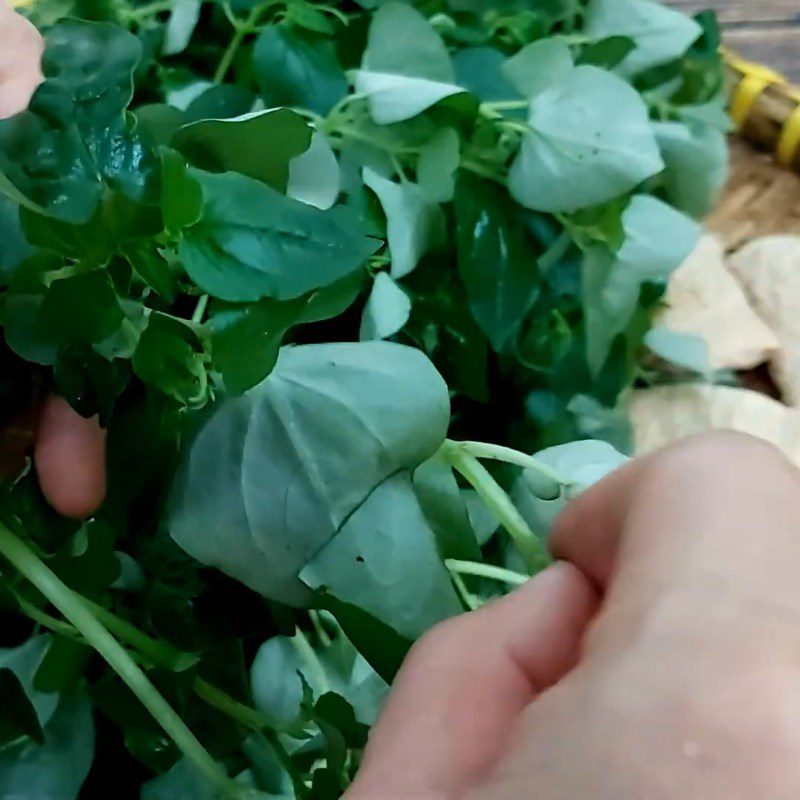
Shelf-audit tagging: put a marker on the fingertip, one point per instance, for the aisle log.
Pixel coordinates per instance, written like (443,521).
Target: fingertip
(70,460)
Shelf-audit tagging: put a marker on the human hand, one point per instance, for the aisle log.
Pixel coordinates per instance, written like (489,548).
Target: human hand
(20,61)
(70,450)
(684,685)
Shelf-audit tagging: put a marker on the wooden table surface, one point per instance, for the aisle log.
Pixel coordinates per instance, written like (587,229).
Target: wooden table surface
(767,31)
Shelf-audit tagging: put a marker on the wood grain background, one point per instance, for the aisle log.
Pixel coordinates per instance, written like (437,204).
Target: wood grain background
(761,30)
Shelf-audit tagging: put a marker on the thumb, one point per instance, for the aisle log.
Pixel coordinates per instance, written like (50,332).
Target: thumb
(70,459)
(452,709)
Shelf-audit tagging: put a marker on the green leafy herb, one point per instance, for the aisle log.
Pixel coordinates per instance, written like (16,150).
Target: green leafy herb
(213,216)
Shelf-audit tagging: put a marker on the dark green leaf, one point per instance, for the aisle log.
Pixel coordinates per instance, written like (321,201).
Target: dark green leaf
(18,717)
(495,259)
(64,316)
(259,145)
(252,242)
(170,357)
(296,68)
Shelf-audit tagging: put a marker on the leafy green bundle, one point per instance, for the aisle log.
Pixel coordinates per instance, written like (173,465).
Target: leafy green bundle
(214,215)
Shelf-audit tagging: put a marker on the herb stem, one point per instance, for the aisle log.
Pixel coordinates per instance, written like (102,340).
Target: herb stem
(503,105)
(486,571)
(241,30)
(97,635)
(311,659)
(496,452)
(44,619)
(149,10)
(470,601)
(483,172)
(499,503)
(200,310)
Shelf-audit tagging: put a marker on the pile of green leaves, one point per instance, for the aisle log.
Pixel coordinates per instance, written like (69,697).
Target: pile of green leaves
(284,249)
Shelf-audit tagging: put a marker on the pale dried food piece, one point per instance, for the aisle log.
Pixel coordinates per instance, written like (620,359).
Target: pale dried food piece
(769,271)
(705,300)
(665,414)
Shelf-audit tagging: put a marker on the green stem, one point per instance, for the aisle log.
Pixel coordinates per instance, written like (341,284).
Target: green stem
(486,571)
(160,653)
(498,502)
(230,53)
(497,452)
(504,105)
(87,624)
(483,172)
(470,601)
(200,310)
(149,10)
(45,620)
(311,659)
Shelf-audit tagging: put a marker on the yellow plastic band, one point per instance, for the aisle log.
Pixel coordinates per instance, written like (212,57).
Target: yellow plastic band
(788,146)
(755,79)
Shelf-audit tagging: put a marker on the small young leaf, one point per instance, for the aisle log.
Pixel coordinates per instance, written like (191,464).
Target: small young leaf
(696,157)
(183,19)
(314,176)
(386,311)
(658,240)
(438,163)
(538,66)
(660,34)
(413,223)
(406,67)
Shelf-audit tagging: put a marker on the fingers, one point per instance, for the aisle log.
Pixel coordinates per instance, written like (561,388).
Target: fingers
(70,460)
(720,511)
(21,48)
(454,703)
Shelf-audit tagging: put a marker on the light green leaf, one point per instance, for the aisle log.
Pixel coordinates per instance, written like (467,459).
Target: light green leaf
(276,686)
(260,145)
(578,464)
(538,66)
(183,19)
(697,165)
(384,560)
(438,163)
(406,67)
(413,223)
(57,769)
(252,242)
(661,34)
(657,241)
(577,154)
(681,349)
(314,176)
(386,311)
(274,474)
